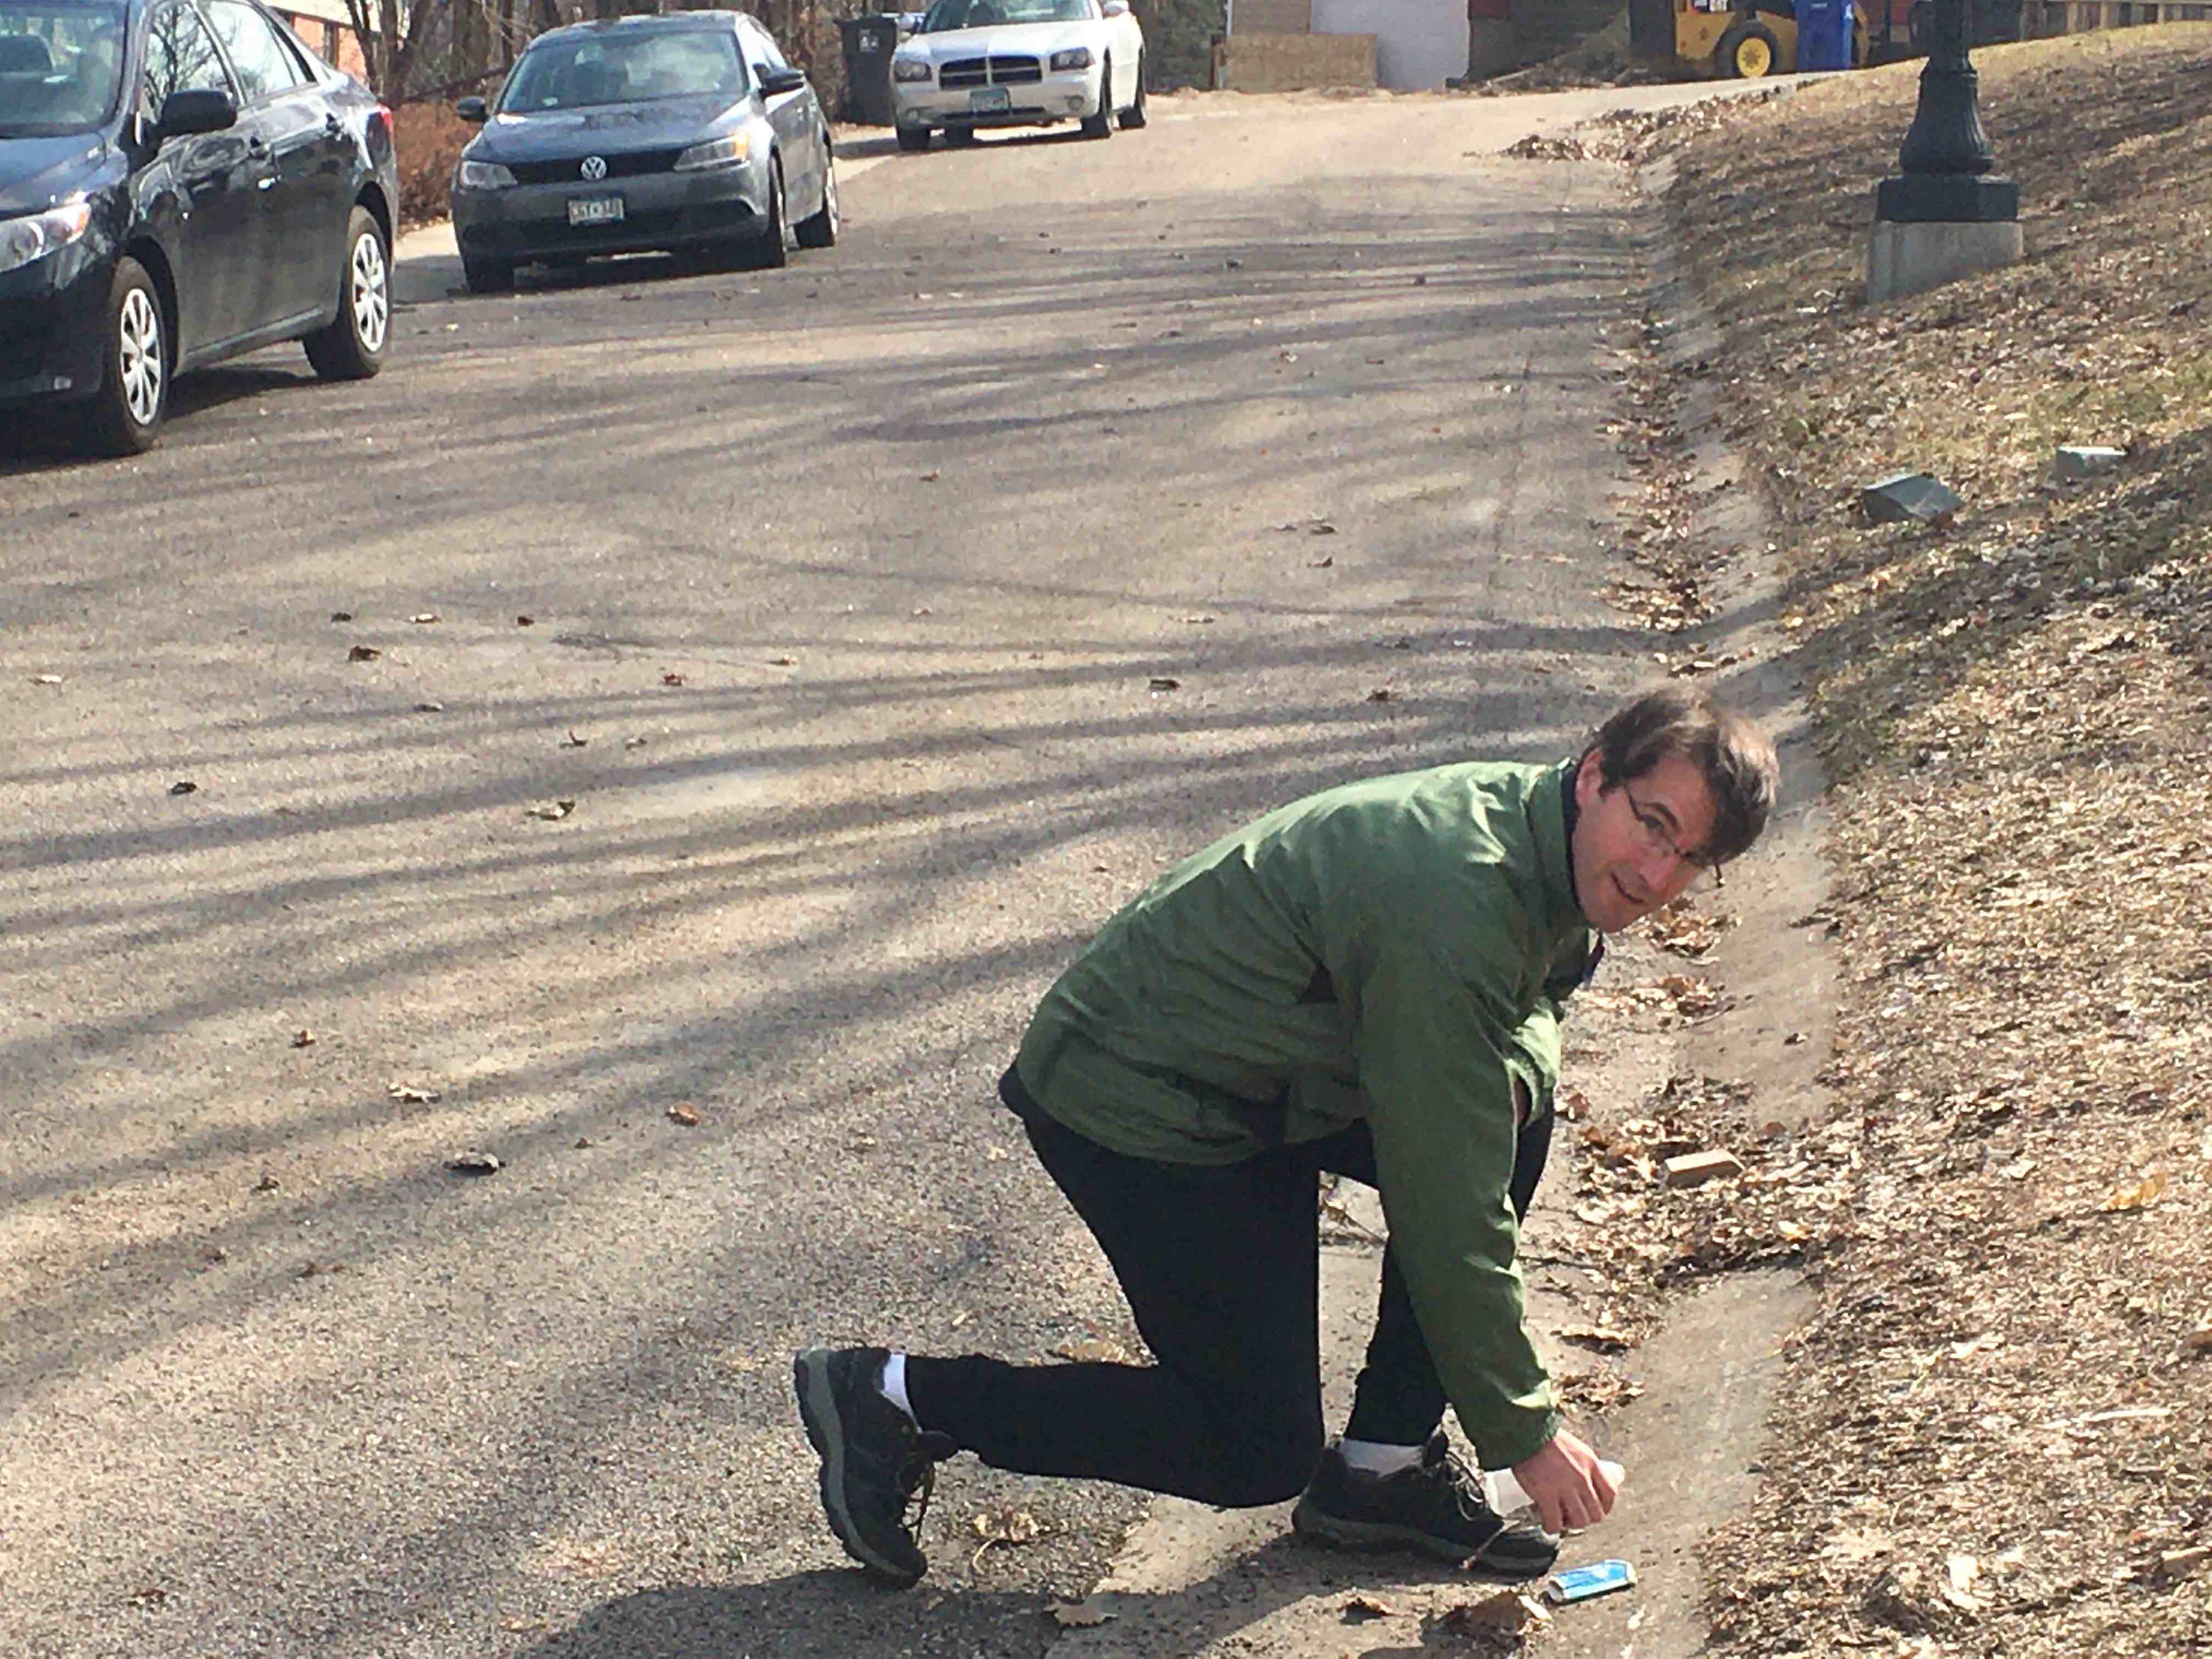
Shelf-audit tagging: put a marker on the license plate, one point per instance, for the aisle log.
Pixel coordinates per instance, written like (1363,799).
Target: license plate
(990,101)
(594,210)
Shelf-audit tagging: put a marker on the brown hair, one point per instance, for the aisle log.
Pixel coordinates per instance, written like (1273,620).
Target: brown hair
(1730,752)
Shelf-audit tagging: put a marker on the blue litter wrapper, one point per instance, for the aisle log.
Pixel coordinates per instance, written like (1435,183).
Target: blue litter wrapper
(1580,1583)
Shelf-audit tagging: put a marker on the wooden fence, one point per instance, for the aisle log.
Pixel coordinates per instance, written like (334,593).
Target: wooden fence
(2040,18)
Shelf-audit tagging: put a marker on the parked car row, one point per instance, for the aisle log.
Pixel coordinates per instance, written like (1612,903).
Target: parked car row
(182,180)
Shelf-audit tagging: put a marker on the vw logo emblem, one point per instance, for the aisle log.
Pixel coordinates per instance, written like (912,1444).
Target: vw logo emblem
(595,168)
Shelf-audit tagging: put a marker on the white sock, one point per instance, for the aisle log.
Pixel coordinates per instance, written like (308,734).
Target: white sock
(893,1385)
(1373,1458)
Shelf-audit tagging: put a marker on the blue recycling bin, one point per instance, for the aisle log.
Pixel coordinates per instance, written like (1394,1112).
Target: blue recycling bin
(1823,34)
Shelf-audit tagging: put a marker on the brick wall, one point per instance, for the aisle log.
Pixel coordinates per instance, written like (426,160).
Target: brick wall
(333,42)
(1288,63)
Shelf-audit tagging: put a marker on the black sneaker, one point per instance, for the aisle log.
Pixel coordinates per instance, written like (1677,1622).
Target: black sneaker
(1436,1507)
(875,1462)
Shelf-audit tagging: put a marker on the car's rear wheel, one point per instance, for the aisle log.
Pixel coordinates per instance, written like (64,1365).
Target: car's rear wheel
(488,276)
(1100,125)
(773,250)
(819,228)
(126,413)
(1134,115)
(351,347)
(960,137)
(913,137)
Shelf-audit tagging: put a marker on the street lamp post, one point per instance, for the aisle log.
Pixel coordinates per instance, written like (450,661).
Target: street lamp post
(1945,213)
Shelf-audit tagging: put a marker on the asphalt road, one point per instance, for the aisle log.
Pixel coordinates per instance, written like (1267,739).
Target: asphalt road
(887,620)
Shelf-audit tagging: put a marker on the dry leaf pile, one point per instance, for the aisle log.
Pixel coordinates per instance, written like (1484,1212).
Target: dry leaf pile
(1994,1436)
(1794,1200)
(1626,135)
(1686,996)
(1007,1527)
(1685,929)
(1497,1624)
(1658,518)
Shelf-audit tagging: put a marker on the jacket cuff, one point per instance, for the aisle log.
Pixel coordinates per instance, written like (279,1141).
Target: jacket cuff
(1530,1437)
(1541,1084)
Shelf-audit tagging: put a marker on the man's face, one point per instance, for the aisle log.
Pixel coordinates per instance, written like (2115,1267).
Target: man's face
(1631,840)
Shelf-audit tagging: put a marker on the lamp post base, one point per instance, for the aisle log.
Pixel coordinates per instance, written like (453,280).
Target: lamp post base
(1946,198)
(1914,255)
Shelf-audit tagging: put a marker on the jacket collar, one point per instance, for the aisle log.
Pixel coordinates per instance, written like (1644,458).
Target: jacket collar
(1552,816)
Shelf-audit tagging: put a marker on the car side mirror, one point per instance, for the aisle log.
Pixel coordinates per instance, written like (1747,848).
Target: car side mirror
(197,109)
(775,82)
(1115,8)
(472,109)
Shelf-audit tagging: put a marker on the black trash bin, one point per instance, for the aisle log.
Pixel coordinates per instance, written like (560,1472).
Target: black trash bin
(869,43)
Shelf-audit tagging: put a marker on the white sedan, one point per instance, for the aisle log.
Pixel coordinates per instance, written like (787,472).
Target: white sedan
(1018,63)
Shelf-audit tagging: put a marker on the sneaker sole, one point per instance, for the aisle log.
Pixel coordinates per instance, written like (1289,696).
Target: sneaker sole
(1337,1532)
(817,1410)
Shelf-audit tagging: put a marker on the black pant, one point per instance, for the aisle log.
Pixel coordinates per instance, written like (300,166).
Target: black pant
(1221,1267)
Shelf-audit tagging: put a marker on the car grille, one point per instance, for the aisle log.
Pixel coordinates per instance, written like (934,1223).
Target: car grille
(570,170)
(959,72)
(984,118)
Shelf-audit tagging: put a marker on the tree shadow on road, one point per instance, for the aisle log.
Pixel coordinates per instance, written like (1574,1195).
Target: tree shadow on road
(823,1613)
(841,1613)
(883,783)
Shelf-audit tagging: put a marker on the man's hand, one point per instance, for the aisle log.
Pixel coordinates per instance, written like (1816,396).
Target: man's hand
(1565,1483)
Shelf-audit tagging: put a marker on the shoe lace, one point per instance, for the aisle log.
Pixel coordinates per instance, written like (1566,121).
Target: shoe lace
(918,1475)
(1456,1475)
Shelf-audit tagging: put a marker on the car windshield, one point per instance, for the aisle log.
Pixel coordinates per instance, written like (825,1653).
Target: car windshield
(578,70)
(61,66)
(988,14)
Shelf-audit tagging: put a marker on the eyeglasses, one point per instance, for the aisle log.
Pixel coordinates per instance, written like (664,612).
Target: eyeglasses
(1657,838)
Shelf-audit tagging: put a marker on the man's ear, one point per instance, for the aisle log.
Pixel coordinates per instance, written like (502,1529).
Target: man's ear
(1589,782)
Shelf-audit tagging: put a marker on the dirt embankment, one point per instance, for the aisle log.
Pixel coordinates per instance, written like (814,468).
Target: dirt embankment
(1994,1436)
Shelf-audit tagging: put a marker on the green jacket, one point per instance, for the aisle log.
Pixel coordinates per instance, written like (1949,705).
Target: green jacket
(1394,950)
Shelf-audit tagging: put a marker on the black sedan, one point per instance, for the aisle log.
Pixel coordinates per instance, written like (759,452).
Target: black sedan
(180,181)
(640,134)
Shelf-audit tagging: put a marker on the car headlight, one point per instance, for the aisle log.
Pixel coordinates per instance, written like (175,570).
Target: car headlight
(716,152)
(911,69)
(482,175)
(35,236)
(1073,58)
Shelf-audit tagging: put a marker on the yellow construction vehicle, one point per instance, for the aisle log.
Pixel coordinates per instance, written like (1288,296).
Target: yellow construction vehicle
(1736,40)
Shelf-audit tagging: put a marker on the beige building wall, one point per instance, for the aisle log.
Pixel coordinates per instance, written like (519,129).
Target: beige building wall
(1419,43)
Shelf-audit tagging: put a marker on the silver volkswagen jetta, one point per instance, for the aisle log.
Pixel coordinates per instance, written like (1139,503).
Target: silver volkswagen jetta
(652,132)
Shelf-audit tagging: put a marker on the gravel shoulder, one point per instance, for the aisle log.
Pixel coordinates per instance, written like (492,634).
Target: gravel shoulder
(1990,1437)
